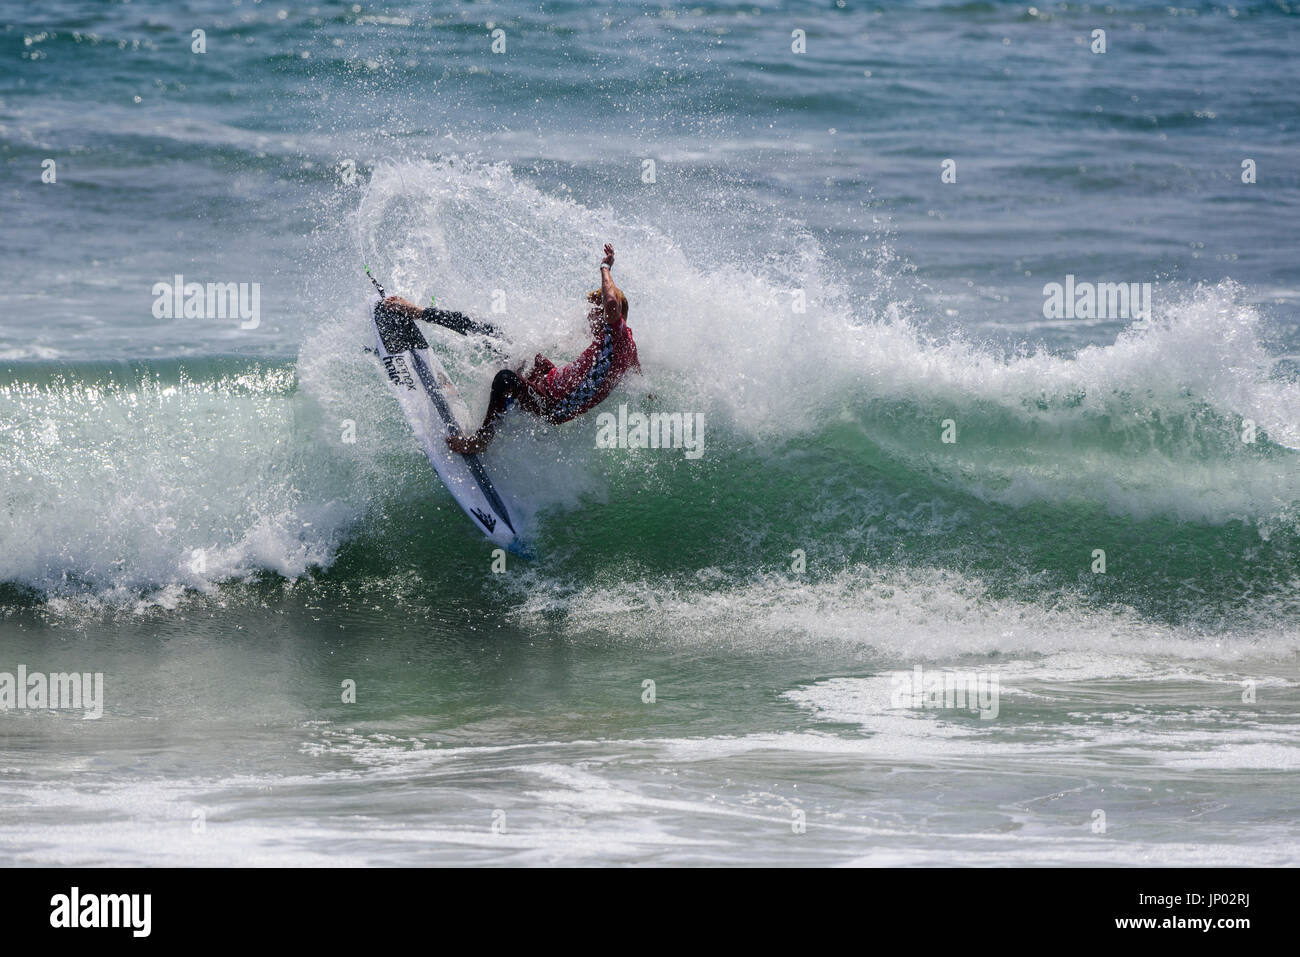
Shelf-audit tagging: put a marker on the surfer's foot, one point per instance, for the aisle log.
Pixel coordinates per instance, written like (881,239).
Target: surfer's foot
(467,444)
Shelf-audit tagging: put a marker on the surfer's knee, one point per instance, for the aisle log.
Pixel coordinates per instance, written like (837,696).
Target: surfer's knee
(507,389)
(506,384)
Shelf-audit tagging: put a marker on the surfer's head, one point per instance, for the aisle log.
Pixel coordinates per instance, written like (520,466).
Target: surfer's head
(594,297)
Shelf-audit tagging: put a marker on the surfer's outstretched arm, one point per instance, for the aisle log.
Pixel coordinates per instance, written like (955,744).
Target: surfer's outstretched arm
(458,322)
(455,321)
(608,291)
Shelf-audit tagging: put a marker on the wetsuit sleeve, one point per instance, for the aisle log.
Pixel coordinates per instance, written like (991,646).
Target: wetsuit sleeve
(458,322)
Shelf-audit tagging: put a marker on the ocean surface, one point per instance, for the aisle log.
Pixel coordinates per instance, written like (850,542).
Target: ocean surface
(307,654)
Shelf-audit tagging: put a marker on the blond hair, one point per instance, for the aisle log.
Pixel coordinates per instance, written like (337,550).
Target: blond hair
(596,298)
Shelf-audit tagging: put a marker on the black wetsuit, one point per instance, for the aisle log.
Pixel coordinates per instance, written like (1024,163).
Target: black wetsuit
(455,321)
(458,322)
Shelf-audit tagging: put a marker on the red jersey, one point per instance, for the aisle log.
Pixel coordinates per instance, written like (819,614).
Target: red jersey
(588,379)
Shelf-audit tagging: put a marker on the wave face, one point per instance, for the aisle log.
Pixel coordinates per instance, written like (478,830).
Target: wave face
(825,436)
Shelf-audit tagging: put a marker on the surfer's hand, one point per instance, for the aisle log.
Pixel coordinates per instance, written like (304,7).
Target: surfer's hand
(399,306)
(609,256)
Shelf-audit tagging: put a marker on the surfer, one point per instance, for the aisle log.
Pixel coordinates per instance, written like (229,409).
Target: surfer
(557,395)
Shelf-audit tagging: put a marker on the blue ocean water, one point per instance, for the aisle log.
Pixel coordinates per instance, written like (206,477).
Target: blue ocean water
(835,224)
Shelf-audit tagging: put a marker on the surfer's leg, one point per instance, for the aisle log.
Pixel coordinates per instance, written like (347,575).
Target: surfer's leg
(458,322)
(507,389)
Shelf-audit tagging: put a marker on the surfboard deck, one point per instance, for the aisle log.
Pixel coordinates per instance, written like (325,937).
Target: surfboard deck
(435,410)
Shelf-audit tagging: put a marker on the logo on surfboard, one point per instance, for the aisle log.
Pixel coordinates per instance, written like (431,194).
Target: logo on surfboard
(398,373)
(489,521)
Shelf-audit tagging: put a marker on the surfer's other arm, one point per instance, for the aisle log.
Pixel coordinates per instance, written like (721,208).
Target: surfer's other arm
(608,291)
(455,321)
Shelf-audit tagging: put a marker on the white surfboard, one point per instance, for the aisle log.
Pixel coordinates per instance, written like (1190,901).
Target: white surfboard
(435,410)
